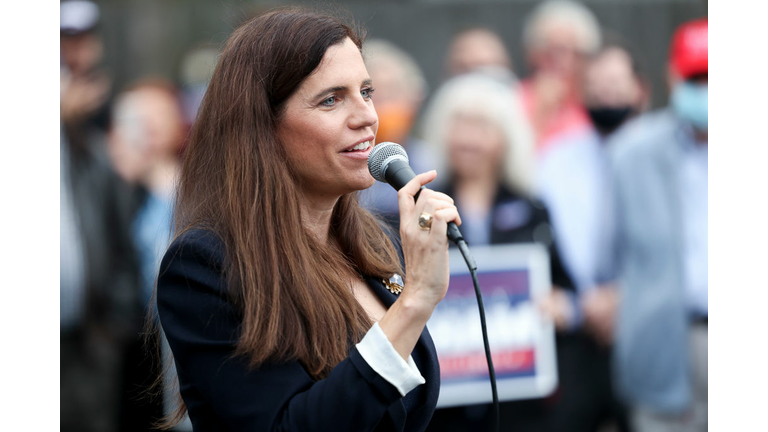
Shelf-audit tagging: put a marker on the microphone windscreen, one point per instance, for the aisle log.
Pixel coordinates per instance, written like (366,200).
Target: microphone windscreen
(382,155)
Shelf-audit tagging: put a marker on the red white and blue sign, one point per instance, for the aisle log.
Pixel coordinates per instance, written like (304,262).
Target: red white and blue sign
(511,277)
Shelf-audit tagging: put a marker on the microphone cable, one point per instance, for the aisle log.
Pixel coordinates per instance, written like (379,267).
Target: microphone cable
(464,249)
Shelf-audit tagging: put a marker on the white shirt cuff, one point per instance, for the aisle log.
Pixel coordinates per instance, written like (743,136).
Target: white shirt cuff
(382,357)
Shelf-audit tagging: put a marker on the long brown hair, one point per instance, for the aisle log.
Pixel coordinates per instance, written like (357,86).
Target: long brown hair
(235,181)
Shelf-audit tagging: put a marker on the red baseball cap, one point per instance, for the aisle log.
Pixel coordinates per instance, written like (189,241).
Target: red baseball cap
(689,53)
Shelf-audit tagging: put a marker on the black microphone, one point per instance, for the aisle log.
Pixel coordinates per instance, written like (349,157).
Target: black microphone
(388,163)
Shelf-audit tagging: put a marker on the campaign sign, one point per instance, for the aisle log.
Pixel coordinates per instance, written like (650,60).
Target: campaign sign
(511,278)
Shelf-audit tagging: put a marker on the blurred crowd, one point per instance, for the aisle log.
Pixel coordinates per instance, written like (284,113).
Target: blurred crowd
(569,156)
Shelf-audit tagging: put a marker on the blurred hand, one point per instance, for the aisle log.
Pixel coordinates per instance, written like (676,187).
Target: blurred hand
(80,96)
(557,307)
(599,307)
(426,252)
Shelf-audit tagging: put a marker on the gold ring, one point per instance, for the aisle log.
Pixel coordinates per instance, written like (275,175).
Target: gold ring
(425,221)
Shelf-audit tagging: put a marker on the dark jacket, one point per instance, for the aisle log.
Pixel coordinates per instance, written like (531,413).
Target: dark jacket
(517,219)
(221,392)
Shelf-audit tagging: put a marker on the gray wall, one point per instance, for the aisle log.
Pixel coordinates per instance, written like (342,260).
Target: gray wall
(151,36)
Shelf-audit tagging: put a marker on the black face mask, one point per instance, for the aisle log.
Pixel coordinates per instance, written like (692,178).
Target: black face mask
(607,120)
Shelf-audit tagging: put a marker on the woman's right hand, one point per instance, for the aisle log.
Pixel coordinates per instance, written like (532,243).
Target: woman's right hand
(426,252)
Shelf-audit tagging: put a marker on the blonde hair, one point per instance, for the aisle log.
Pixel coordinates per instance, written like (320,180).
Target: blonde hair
(494,100)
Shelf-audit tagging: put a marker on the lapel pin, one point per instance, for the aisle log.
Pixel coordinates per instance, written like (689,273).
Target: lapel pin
(394,284)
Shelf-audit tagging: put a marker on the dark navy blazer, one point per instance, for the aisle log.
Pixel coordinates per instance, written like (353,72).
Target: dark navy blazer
(223,394)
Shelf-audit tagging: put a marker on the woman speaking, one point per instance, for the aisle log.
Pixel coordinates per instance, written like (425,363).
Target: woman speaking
(280,296)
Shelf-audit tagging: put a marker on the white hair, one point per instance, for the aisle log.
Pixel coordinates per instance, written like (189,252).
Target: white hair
(562,13)
(496,101)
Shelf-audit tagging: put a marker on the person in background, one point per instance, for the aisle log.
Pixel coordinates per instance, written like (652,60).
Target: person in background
(400,91)
(479,48)
(100,311)
(574,183)
(657,248)
(482,144)
(557,36)
(574,175)
(145,140)
(85,86)
(144,145)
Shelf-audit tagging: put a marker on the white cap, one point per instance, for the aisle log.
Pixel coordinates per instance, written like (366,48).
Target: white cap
(78,16)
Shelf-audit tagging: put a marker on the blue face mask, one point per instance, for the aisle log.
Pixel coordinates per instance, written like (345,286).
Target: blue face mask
(690,103)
